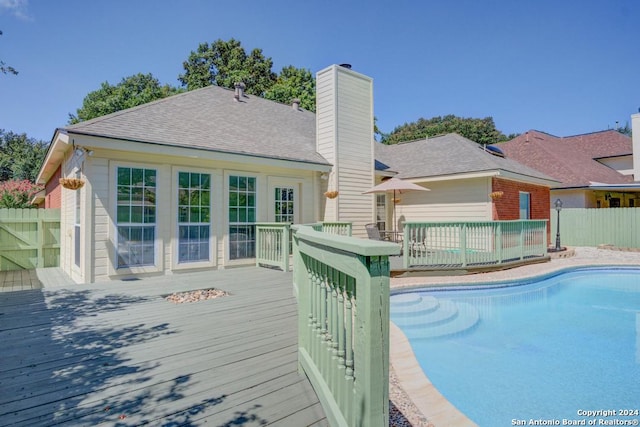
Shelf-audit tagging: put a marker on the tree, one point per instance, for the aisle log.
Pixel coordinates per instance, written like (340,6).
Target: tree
(482,131)
(20,156)
(6,69)
(130,92)
(625,130)
(17,194)
(294,83)
(224,63)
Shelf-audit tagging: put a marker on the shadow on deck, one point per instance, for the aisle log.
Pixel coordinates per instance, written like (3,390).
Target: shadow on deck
(119,353)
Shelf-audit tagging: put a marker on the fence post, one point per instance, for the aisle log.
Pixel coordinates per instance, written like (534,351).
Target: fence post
(463,244)
(373,354)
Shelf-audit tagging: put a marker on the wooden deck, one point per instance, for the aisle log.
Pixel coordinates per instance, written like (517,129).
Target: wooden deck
(118,353)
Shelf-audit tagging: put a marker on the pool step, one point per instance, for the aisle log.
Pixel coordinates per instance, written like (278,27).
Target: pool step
(413,306)
(429,317)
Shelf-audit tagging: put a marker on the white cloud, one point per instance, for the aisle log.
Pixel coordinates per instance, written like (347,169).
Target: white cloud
(18,8)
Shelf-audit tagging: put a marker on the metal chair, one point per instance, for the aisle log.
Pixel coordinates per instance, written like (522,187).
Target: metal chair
(373,232)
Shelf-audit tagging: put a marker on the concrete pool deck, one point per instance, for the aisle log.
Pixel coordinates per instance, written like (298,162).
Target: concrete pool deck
(424,396)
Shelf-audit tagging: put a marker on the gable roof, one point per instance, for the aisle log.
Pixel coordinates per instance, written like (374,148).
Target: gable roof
(571,160)
(448,155)
(211,119)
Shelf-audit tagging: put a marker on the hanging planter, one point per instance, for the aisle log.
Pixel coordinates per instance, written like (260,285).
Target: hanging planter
(496,195)
(331,194)
(71,183)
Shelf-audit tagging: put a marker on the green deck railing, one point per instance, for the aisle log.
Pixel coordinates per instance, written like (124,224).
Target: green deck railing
(343,323)
(444,245)
(341,228)
(273,245)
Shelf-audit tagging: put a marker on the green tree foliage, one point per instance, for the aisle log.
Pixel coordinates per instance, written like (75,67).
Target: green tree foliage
(625,130)
(20,156)
(482,131)
(294,83)
(6,69)
(17,194)
(130,92)
(224,63)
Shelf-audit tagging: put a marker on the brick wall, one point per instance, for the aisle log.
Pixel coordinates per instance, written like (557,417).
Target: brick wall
(507,207)
(53,191)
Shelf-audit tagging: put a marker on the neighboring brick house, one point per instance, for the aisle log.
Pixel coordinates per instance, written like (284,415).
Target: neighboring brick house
(594,170)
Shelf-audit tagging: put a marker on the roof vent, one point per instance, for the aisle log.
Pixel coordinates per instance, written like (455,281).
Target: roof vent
(295,104)
(240,87)
(347,66)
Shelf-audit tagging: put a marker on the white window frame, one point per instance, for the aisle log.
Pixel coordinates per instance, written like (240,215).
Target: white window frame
(114,269)
(77,227)
(228,224)
(213,219)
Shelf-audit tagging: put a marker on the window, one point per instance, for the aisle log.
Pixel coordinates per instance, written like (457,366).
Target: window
(194,216)
(136,216)
(76,227)
(525,205)
(242,217)
(284,207)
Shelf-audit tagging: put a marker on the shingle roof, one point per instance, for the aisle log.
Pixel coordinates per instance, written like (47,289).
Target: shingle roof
(211,119)
(446,155)
(572,159)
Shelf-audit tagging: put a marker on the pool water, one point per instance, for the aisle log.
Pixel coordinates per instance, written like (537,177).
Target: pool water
(544,350)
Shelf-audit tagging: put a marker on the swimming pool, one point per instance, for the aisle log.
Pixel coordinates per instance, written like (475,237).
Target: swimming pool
(541,351)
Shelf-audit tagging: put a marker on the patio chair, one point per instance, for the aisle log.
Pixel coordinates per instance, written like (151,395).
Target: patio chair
(373,232)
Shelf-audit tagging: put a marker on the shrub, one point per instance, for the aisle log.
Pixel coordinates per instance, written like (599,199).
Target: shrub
(17,194)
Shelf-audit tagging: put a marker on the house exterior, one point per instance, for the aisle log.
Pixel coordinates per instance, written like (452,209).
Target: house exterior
(178,184)
(467,182)
(594,170)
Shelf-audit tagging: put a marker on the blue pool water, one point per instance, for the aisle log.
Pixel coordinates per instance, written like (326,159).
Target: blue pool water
(544,350)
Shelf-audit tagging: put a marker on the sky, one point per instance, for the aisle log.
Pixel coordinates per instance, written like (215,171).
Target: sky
(564,67)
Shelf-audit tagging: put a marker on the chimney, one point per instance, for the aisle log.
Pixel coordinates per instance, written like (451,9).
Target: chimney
(295,104)
(635,135)
(345,101)
(239,91)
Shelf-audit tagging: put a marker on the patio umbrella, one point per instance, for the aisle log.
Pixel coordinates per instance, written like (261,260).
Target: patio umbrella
(395,185)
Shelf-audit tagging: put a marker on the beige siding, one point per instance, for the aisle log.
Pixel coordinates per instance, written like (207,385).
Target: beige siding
(99,197)
(97,256)
(456,200)
(345,130)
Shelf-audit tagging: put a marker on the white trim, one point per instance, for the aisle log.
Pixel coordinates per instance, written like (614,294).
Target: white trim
(158,255)
(214,221)
(260,201)
(141,148)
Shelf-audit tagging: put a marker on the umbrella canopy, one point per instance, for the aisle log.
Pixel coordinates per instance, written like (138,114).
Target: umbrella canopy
(395,185)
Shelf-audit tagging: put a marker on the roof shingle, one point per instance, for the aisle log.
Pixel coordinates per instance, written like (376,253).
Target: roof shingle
(446,155)
(572,159)
(211,119)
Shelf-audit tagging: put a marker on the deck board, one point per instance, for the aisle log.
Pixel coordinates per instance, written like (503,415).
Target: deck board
(118,353)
